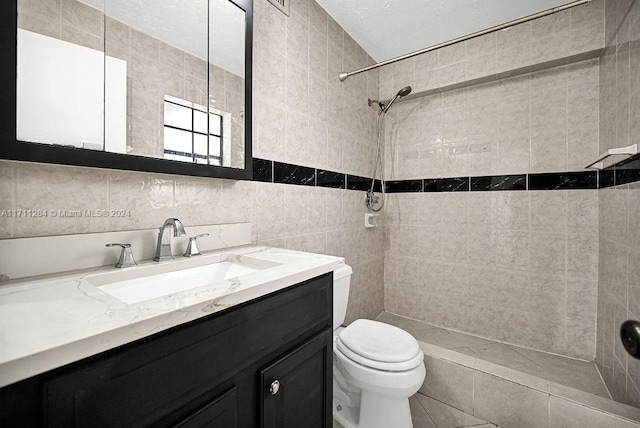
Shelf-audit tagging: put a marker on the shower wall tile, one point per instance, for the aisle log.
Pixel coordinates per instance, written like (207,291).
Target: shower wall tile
(518,125)
(548,253)
(549,211)
(618,283)
(505,259)
(545,122)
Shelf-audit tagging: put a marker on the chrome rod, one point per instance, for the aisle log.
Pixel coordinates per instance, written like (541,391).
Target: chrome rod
(345,75)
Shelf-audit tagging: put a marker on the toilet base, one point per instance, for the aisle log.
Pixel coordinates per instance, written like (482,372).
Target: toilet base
(375,411)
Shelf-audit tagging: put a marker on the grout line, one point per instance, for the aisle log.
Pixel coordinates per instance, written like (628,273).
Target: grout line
(606,387)
(523,356)
(548,409)
(424,408)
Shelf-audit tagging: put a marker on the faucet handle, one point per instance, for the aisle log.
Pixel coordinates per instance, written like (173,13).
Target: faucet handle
(126,256)
(192,248)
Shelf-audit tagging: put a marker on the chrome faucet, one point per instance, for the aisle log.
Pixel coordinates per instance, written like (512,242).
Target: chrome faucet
(163,250)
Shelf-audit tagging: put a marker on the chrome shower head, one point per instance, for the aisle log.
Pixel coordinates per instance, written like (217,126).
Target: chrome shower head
(401,93)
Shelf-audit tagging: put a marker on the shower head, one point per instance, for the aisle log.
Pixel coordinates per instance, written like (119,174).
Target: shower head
(404,91)
(401,93)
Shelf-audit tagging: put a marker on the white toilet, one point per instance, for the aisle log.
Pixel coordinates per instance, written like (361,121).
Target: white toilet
(376,367)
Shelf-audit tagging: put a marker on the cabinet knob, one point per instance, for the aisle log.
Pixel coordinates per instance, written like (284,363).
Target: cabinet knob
(275,387)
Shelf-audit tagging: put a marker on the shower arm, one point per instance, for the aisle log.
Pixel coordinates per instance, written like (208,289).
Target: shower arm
(345,75)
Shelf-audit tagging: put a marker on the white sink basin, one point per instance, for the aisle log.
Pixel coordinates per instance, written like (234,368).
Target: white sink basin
(138,284)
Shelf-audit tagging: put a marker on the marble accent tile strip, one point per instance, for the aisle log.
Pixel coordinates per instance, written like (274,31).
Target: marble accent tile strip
(626,176)
(456,184)
(293,174)
(278,172)
(262,170)
(628,171)
(606,178)
(355,182)
(499,182)
(336,180)
(403,186)
(563,180)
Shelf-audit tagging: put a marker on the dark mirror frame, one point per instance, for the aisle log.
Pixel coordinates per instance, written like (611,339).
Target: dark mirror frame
(13,149)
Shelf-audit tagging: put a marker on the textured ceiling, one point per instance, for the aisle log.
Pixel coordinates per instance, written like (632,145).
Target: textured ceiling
(183,24)
(390,28)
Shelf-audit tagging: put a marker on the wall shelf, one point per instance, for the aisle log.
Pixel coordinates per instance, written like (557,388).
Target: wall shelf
(627,151)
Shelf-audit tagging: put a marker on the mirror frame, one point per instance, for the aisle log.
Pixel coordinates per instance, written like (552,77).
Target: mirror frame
(13,149)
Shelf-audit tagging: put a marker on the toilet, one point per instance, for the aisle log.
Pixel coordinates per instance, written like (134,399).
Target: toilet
(376,367)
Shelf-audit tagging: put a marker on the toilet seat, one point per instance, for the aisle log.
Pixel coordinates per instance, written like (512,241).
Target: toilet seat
(379,346)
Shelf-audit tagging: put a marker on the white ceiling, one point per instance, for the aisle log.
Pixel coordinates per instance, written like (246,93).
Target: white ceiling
(183,24)
(390,28)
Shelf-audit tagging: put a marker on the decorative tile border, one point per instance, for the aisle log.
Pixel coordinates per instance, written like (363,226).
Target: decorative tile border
(293,174)
(277,172)
(403,186)
(563,180)
(355,182)
(499,182)
(455,184)
(625,172)
(335,180)
(262,170)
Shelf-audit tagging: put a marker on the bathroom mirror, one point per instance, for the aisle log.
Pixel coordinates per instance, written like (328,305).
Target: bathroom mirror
(129,84)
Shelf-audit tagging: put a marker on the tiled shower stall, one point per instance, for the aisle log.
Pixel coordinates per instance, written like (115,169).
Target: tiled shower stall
(537,254)
(515,265)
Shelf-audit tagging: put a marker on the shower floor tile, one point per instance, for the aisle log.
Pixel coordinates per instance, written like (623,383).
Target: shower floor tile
(499,353)
(582,375)
(429,413)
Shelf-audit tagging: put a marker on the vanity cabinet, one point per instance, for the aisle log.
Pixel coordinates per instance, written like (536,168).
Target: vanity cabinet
(217,371)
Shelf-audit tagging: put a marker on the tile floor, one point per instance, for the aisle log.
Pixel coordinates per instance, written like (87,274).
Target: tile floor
(577,374)
(429,413)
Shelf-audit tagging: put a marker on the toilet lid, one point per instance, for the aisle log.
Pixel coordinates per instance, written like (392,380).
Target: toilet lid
(379,342)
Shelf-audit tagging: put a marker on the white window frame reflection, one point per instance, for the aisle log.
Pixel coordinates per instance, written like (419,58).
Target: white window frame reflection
(191,155)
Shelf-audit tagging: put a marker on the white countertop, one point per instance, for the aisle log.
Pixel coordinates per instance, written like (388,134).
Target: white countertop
(49,321)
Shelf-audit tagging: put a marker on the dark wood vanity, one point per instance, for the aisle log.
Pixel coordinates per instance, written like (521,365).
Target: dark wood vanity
(264,363)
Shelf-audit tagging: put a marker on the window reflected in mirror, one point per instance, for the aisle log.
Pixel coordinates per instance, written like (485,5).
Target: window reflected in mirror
(146,78)
(188,136)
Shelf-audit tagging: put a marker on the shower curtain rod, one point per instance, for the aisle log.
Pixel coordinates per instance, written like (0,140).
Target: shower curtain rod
(345,75)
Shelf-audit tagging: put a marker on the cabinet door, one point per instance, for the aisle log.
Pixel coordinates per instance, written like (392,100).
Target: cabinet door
(218,413)
(297,388)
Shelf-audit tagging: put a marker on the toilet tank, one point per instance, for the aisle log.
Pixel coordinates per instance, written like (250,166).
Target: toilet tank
(341,284)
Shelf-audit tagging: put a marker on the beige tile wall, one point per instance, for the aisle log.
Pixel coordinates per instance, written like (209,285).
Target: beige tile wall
(619,264)
(520,267)
(545,121)
(302,114)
